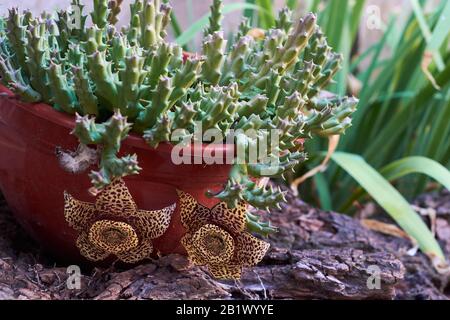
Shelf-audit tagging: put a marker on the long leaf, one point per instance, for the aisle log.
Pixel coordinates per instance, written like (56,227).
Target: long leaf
(429,167)
(267,20)
(390,200)
(439,136)
(399,122)
(403,167)
(174,22)
(314,6)
(441,30)
(337,19)
(427,32)
(249,13)
(356,17)
(292,4)
(324,191)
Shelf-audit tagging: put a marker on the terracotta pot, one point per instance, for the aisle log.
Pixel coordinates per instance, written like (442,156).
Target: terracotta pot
(33,183)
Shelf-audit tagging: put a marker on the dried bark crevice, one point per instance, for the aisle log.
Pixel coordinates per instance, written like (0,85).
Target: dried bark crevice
(315,255)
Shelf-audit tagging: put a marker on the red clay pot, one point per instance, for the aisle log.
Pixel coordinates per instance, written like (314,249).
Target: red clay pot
(33,183)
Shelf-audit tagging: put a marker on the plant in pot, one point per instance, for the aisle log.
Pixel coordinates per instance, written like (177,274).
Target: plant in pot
(140,115)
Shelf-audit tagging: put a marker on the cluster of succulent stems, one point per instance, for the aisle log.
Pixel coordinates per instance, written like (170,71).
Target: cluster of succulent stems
(133,79)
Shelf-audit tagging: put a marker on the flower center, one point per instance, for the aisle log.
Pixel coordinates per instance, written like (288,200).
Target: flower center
(214,244)
(113,236)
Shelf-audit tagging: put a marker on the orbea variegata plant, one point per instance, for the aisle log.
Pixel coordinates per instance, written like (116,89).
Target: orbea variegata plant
(133,79)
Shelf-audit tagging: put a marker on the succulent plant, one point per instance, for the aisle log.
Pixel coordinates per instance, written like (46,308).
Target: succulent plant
(133,79)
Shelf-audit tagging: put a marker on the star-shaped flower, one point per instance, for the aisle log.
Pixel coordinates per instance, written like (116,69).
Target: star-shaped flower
(113,225)
(217,238)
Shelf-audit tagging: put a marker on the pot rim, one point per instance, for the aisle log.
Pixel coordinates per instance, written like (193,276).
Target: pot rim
(47,112)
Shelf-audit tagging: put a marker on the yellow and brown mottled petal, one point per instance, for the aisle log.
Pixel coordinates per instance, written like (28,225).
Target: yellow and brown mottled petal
(193,215)
(77,213)
(226,271)
(194,256)
(250,250)
(116,199)
(141,252)
(113,236)
(153,224)
(234,220)
(89,250)
(214,244)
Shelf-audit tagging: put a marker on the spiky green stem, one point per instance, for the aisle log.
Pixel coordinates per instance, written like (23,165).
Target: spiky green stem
(215,17)
(100,14)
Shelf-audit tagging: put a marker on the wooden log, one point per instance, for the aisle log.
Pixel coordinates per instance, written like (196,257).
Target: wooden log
(315,255)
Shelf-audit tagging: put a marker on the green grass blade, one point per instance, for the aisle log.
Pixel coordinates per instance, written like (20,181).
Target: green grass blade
(292,4)
(249,12)
(357,60)
(390,200)
(429,167)
(202,23)
(439,136)
(314,6)
(353,137)
(323,191)
(441,31)
(396,76)
(398,123)
(174,23)
(427,32)
(355,20)
(266,20)
(337,20)
(403,167)
(367,88)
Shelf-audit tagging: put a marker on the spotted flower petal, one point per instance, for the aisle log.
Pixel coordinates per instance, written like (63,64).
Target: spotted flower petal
(140,252)
(250,250)
(89,250)
(194,255)
(217,238)
(116,199)
(193,215)
(225,271)
(77,213)
(114,225)
(232,219)
(154,223)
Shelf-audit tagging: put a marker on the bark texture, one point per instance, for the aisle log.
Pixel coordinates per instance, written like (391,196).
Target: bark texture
(315,254)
